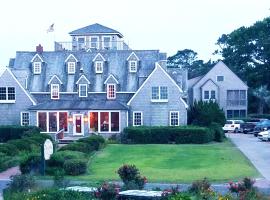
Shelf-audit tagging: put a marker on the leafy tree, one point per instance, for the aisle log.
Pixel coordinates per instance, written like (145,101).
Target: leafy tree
(188,59)
(203,113)
(263,95)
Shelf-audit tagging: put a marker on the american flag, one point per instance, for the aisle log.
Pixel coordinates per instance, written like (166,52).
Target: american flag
(51,28)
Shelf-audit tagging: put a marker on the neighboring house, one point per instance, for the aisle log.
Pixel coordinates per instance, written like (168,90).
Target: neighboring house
(220,84)
(95,83)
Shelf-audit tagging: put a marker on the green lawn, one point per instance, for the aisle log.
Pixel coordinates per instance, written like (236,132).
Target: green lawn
(172,163)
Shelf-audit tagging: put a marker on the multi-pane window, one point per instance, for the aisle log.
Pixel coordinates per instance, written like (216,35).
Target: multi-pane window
(137,119)
(55,91)
(174,118)
(71,67)
(206,94)
(99,66)
(213,94)
(236,113)
(209,94)
(7,94)
(220,78)
(106,42)
(52,121)
(132,66)
(82,90)
(111,91)
(159,93)
(236,98)
(25,118)
(94,43)
(37,67)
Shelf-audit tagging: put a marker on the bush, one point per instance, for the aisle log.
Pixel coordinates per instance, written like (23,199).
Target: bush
(77,146)
(58,158)
(30,163)
(165,135)
(218,132)
(204,113)
(94,142)
(21,183)
(131,177)
(107,191)
(7,162)
(13,132)
(8,149)
(75,166)
(200,186)
(24,144)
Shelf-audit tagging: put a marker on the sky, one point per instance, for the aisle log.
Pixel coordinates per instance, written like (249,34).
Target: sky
(167,25)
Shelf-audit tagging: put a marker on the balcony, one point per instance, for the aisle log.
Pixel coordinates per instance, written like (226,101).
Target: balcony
(236,102)
(90,46)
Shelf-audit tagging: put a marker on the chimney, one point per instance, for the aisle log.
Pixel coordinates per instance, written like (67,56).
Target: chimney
(39,49)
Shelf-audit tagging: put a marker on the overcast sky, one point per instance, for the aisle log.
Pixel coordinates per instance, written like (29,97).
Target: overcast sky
(168,25)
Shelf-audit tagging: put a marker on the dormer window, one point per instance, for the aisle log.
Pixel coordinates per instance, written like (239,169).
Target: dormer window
(133,66)
(82,90)
(37,67)
(54,91)
(111,91)
(71,67)
(99,67)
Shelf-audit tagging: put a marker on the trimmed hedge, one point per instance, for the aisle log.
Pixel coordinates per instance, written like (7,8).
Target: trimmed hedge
(13,132)
(75,167)
(9,149)
(219,135)
(77,146)
(95,142)
(165,135)
(30,163)
(58,159)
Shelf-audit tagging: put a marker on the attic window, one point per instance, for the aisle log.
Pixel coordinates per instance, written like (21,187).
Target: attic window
(99,67)
(133,66)
(71,67)
(220,78)
(37,67)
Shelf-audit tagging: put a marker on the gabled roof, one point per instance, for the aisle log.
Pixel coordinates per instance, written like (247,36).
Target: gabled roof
(208,81)
(38,57)
(71,56)
(98,55)
(111,77)
(53,77)
(83,77)
(2,70)
(95,29)
(131,55)
(157,66)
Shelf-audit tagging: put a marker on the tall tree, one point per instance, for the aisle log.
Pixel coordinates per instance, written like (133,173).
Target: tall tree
(188,59)
(263,96)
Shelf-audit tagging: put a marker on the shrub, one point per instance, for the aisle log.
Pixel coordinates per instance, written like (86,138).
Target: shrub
(199,186)
(13,132)
(30,163)
(77,146)
(94,142)
(9,149)
(204,113)
(75,166)
(58,158)
(20,183)
(165,135)
(131,177)
(7,162)
(24,144)
(59,179)
(218,132)
(107,191)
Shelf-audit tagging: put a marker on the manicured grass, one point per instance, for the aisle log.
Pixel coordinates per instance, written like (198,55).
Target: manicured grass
(172,163)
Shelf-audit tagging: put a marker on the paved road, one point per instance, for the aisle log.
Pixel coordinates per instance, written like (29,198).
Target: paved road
(257,152)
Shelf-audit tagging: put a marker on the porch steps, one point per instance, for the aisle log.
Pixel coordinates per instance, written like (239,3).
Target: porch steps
(68,140)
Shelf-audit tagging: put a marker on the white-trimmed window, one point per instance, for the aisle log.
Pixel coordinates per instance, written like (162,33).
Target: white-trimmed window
(220,78)
(37,67)
(94,42)
(99,67)
(206,95)
(213,94)
(25,118)
(54,91)
(71,67)
(106,42)
(133,66)
(137,118)
(82,90)
(174,118)
(7,95)
(111,91)
(160,94)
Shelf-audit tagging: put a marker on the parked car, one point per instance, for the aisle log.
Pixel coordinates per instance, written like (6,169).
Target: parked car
(232,126)
(261,126)
(248,126)
(264,135)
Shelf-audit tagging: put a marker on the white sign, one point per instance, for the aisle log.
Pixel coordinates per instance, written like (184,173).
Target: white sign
(48,149)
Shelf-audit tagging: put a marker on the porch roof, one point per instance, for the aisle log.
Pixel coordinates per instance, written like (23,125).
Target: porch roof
(80,105)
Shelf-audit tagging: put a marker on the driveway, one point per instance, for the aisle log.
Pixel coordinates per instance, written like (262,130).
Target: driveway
(256,151)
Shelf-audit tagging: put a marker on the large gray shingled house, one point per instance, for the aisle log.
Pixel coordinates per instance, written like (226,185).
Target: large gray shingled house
(94,84)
